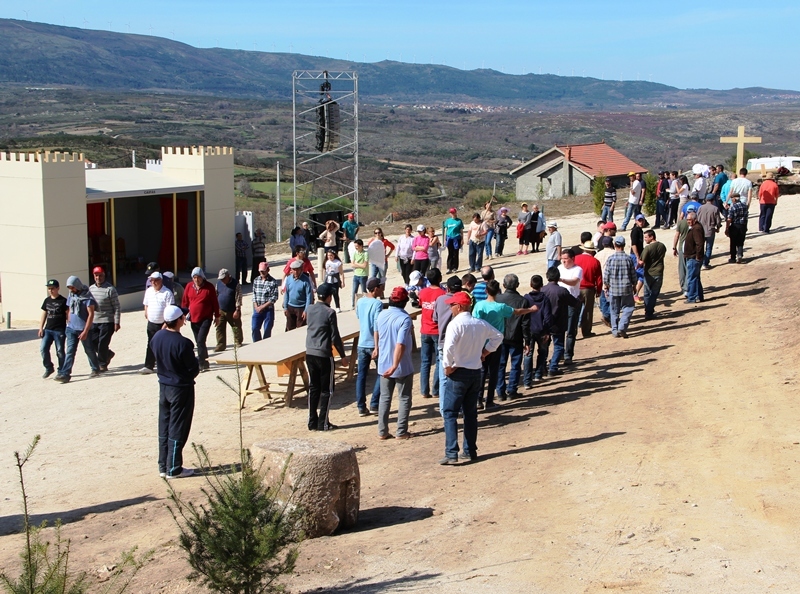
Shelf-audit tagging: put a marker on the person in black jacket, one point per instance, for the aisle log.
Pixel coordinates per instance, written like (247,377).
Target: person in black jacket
(513,339)
(177,367)
(538,335)
(322,335)
(560,302)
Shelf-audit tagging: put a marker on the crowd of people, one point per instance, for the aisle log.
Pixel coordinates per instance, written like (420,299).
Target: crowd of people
(480,339)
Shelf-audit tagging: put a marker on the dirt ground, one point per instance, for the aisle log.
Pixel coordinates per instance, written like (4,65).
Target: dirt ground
(667,462)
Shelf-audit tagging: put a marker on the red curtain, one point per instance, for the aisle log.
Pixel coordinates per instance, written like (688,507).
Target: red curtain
(95,219)
(165,254)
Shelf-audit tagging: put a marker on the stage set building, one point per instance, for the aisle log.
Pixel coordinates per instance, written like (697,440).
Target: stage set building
(62,216)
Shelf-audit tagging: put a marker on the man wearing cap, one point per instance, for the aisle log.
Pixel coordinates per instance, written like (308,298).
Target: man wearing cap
(154,267)
(177,369)
(200,298)
(607,249)
(442,316)
(82,307)
(467,342)
(350,228)
(619,282)
(171,282)
(637,236)
(736,229)
(503,223)
(259,250)
(306,266)
(591,285)
(609,201)
(653,263)
(634,199)
(692,205)
(395,368)
(106,317)
(322,336)
(53,327)
(265,295)
(553,247)
(538,335)
(453,233)
(367,310)
(693,252)
(156,299)
(514,333)
(708,216)
(678,242)
(229,298)
(297,297)
(240,247)
(768,195)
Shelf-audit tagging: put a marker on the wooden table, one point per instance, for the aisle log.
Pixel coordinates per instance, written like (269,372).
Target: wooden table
(287,352)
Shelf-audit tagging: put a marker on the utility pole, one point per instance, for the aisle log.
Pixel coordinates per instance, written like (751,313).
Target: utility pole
(278,203)
(133,159)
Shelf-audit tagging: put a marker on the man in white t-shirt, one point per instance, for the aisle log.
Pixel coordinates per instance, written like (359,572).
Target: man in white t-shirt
(699,188)
(571,275)
(742,186)
(156,299)
(635,196)
(553,247)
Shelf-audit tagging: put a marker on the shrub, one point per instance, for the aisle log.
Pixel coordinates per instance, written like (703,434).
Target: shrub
(651,183)
(598,192)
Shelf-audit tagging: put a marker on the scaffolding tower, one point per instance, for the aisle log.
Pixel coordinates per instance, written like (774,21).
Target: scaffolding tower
(325,140)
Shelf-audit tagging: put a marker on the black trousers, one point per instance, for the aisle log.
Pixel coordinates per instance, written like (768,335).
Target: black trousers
(737,233)
(489,372)
(175,411)
(452,255)
(320,390)
(149,357)
(101,337)
(200,331)
(422,266)
(406,267)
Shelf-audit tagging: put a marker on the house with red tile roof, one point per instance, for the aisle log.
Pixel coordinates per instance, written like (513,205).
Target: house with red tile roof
(569,170)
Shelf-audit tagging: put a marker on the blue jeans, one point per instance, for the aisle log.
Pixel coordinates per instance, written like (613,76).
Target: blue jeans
(631,210)
(358,281)
(376,271)
(489,237)
(429,357)
(72,348)
(53,336)
(551,263)
(694,286)
(709,247)
(621,312)
(607,214)
(765,217)
(463,386)
(442,380)
(241,269)
(605,308)
(661,213)
(475,255)
(364,358)
(513,352)
(558,350)
(652,288)
(573,321)
(542,343)
(263,320)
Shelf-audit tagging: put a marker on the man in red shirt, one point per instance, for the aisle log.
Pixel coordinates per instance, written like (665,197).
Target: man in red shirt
(200,298)
(591,285)
(430,334)
(768,198)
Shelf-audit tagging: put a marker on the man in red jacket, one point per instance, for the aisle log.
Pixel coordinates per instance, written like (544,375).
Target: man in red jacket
(200,298)
(591,285)
(768,198)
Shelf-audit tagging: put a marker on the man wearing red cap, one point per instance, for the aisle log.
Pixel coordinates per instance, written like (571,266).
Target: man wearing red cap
(395,367)
(350,228)
(467,341)
(453,233)
(106,316)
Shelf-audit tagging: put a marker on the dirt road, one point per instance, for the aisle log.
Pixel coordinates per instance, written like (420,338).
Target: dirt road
(666,462)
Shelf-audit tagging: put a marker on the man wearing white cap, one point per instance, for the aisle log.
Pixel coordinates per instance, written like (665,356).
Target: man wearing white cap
(200,298)
(553,247)
(177,368)
(229,297)
(156,299)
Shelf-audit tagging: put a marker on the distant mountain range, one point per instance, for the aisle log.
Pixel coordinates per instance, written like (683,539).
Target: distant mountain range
(37,54)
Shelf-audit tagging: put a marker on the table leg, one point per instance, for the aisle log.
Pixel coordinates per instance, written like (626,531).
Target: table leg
(245,387)
(353,356)
(292,381)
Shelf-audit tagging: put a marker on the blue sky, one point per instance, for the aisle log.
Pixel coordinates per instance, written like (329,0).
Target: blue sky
(698,44)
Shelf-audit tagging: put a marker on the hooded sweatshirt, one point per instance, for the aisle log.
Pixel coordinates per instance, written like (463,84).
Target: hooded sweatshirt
(78,304)
(540,321)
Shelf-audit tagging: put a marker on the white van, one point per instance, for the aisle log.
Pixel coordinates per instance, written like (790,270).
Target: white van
(773,163)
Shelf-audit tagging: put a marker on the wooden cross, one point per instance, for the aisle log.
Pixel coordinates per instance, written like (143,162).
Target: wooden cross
(739,140)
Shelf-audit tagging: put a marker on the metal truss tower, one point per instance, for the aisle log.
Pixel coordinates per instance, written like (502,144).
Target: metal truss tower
(325,140)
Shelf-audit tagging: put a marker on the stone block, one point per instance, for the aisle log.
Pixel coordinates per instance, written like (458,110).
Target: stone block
(324,476)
